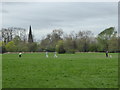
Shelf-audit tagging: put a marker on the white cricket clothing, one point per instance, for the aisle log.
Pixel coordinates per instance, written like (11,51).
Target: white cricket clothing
(55,55)
(20,53)
(47,54)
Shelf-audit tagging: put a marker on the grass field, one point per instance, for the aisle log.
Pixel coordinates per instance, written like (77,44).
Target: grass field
(80,70)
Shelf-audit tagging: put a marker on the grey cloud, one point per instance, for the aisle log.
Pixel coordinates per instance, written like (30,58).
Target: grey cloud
(69,16)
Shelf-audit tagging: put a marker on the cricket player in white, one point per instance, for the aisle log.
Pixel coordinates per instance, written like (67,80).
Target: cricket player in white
(20,54)
(46,54)
(55,56)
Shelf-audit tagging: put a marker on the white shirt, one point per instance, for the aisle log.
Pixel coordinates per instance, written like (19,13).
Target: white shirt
(20,53)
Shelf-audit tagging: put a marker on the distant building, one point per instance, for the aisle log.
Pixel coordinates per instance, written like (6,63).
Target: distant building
(30,36)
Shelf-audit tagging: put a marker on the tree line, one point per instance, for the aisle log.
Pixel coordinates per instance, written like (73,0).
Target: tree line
(57,40)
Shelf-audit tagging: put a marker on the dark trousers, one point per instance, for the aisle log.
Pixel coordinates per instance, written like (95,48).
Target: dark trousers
(19,55)
(106,54)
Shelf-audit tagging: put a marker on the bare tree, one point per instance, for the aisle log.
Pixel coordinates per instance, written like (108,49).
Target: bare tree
(9,33)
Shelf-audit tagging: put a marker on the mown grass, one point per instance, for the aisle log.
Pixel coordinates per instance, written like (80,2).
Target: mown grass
(80,70)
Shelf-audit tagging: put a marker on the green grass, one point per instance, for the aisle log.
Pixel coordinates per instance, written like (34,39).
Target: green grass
(80,70)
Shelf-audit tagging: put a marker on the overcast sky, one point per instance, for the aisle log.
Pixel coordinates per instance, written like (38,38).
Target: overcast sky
(69,16)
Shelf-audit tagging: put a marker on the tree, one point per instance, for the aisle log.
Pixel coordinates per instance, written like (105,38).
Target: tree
(105,36)
(93,46)
(2,47)
(69,44)
(20,44)
(32,47)
(118,44)
(17,40)
(60,47)
(9,33)
(55,37)
(113,44)
(50,41)
(10,46)
(83,41)
(46,43)
(6,35)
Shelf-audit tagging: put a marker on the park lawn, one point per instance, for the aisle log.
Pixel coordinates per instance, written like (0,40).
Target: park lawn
(80,70)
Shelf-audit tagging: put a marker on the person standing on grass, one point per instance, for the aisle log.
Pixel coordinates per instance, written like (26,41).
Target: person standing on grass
(20,54)
(55,56)
(106,53)
(46,54)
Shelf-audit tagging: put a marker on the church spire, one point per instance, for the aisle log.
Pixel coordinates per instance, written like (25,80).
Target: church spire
(30,37)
